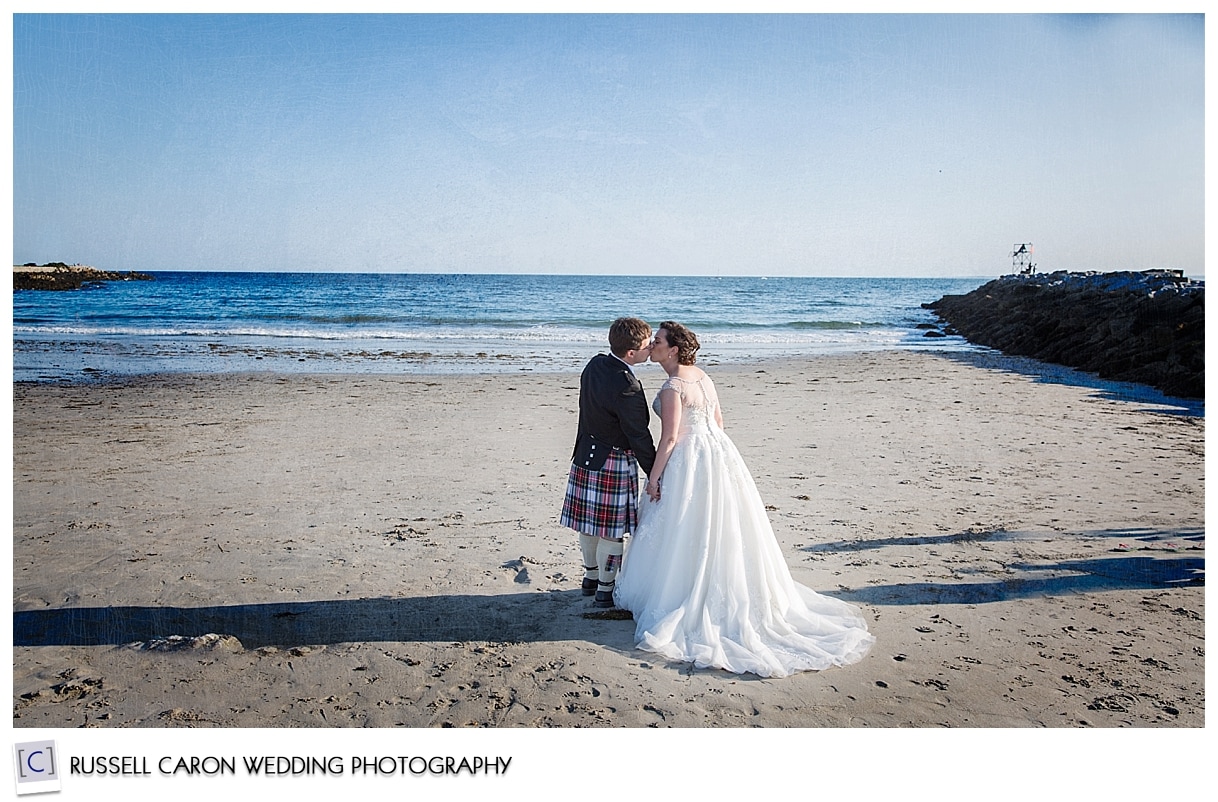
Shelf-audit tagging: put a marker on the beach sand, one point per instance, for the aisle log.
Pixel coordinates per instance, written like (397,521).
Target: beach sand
(333,551)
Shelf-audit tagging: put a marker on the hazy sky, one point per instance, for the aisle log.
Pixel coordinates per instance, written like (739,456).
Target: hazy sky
(920,145)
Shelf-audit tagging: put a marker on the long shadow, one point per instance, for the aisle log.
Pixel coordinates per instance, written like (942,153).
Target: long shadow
(524,617)
(1133,534)
(1049,373)
(506,618)
(1112,573)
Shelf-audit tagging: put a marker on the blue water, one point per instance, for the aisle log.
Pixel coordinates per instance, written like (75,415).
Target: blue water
(444,323)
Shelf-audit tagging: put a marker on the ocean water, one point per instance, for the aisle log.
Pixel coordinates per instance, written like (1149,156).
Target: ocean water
(443,323)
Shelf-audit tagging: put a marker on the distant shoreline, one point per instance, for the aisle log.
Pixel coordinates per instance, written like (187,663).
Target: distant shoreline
(51,267)
(60,276)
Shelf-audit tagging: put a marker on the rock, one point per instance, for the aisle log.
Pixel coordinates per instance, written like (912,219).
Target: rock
(1146,327)
(58,276)
(180,643)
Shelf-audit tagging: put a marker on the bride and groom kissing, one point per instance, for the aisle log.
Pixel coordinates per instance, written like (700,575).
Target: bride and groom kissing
(704,577)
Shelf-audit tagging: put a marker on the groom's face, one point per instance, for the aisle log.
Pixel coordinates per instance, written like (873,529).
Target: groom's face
(639,355)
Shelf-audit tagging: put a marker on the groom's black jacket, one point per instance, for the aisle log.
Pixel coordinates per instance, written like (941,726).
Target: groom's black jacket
(612,413)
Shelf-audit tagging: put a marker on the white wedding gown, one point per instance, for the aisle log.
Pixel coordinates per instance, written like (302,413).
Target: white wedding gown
(704,576)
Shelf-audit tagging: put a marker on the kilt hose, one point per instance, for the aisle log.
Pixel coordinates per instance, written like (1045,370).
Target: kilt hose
(605,502)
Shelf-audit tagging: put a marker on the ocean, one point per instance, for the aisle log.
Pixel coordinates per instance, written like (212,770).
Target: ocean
(216,322)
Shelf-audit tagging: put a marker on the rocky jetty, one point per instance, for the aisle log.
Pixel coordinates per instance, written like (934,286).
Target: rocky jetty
(1146,327)
(60,276)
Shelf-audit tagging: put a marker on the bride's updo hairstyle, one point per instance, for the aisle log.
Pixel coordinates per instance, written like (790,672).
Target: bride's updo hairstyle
(684,340)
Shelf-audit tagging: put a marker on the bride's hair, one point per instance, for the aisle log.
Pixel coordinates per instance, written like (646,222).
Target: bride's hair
(684,340)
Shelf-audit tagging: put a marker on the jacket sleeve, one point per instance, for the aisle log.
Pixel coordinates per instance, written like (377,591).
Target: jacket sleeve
(634,416)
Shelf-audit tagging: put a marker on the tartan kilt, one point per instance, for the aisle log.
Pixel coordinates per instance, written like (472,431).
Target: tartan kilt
(605,502)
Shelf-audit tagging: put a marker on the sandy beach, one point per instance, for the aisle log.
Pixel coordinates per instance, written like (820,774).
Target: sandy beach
(266,550)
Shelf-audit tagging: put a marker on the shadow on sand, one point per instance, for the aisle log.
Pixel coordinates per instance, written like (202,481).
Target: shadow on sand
(1135,537)
(531,616)
(565,616)
(1059,374)
(1029,580)
(1053,579)
(506,618)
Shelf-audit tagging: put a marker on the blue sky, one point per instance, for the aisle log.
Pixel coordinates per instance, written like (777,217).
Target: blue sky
(911,145)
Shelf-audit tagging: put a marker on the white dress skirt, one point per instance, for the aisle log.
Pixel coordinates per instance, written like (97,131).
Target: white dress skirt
(704,576)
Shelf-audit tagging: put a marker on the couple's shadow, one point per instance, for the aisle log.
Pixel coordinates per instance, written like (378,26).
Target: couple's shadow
(534,616)
(516,617)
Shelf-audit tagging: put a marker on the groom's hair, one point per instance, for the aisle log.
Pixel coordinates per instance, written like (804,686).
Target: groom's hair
(626,333)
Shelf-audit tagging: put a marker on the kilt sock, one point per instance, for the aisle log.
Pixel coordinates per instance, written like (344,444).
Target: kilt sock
(587,546)
(608,560)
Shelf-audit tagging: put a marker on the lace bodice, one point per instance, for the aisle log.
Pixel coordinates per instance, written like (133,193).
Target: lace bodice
(698,400)
(704,576)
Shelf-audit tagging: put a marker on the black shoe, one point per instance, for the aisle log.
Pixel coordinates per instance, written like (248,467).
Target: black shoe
(589,586)
(604,598)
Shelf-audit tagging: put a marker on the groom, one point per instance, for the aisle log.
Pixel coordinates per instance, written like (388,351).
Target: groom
(612,442)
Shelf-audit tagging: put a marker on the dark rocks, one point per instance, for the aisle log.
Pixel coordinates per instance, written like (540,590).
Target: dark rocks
(58,276)
(1146,327)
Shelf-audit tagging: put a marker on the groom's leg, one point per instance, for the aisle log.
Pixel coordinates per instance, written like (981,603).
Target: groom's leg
(608,560)
(587,546)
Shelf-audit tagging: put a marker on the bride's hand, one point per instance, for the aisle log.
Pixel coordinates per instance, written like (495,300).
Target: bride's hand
(653,489)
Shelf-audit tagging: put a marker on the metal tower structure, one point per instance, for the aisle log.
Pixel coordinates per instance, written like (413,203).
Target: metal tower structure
(1021,258)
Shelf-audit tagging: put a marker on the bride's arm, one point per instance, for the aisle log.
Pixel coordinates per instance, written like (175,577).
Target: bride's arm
(670,424)
(713,399)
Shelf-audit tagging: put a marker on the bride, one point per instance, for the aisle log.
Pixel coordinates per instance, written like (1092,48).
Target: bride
(703,575)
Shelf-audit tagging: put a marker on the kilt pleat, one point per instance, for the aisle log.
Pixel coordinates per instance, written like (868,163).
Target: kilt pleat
(605,502)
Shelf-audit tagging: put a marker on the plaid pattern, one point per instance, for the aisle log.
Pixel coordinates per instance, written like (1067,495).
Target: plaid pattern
(605,502)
